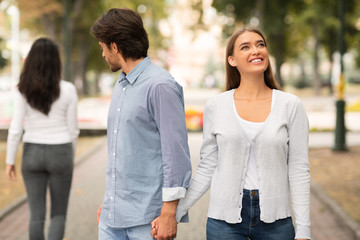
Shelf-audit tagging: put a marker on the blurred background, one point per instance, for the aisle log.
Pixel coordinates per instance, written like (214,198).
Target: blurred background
(311,43)
(188,37)
(314,47)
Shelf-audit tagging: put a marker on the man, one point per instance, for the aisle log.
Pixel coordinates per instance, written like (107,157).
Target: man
(149,165)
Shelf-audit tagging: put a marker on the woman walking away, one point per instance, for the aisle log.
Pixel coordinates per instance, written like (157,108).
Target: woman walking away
(49,107)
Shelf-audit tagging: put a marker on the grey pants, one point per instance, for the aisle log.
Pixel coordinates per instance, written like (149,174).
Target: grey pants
(42,166)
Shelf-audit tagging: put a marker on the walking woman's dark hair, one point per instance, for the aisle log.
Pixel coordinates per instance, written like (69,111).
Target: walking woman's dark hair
(125,28)
(233,77)
(40,78)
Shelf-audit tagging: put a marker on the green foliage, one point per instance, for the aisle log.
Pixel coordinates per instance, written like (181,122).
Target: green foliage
(152,11)
(46,17)
(3,61)
(290,24)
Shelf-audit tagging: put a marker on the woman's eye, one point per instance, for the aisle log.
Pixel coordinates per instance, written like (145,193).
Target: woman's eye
(261,45)
(244,48)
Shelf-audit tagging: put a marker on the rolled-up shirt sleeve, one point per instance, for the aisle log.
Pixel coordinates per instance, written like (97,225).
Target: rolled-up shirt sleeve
(168,111)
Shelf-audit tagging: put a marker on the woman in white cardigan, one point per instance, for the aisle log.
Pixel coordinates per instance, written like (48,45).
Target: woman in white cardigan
(49,108)
(254,154)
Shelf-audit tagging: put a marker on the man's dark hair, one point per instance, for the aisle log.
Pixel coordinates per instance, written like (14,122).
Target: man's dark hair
(125,28)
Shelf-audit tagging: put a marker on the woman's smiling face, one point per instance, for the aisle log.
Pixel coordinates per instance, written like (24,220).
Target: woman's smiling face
(250,54)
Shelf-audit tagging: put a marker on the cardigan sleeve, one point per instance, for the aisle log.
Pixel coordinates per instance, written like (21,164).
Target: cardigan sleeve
(201,179)
(16,128)
(299,170)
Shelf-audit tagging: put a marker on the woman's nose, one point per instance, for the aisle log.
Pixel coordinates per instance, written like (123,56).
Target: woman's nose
(255,50)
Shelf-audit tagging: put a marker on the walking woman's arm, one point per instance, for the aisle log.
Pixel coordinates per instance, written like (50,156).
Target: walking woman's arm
(299,171)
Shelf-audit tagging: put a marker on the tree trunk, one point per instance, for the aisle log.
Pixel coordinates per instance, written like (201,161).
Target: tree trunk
(317,80)
(278,75)
(49,26)
(279,56)
(84,56)
(331,61)
(260,4)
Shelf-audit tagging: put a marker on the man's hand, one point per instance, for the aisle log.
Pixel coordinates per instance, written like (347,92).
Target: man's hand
(11,172)
(98,212)
(164,227)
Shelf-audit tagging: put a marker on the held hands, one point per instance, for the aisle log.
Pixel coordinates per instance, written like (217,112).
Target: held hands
(164,227)
(11,172)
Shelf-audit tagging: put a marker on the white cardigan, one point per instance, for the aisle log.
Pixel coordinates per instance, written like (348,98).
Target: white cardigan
(60,126)
(281,149)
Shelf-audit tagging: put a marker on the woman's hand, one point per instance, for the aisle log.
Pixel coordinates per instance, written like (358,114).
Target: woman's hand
(11,172)
(154,228)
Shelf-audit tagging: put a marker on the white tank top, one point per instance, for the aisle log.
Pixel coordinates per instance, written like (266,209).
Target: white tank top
(252,177)
(251,129)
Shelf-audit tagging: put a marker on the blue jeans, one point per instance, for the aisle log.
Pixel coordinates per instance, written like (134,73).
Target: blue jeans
(133,233)
(251,226)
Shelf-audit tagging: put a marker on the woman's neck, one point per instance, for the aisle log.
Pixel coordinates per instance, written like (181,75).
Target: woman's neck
(252,87)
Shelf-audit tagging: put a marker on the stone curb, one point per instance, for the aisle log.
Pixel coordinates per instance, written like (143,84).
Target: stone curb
(342,217)
(23,198)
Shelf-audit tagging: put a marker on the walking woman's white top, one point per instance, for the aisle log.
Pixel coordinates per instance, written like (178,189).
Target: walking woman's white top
(281,151)
(58,127)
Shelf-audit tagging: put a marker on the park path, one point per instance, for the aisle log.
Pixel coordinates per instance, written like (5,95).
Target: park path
(87,194)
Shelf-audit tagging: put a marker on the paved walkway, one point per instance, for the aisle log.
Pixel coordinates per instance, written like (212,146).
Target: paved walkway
(89,177)
(87,193)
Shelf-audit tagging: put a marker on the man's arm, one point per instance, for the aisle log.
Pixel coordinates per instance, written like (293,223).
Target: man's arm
(167,107)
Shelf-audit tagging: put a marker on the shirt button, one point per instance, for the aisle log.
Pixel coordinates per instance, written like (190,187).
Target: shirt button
(240,193)
(115,131)
(124,88)
(118,109)
(113,176)
(113,154)
(111,198)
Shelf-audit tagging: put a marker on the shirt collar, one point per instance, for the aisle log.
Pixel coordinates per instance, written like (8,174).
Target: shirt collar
(132,76)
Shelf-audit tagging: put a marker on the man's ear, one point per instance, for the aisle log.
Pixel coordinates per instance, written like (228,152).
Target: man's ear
(114,47)
(231,61)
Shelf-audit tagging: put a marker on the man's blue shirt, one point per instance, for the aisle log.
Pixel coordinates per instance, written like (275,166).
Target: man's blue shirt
(148,153)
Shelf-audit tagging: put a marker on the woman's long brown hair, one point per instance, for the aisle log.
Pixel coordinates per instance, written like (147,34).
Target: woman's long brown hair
(40,78)
(233,77)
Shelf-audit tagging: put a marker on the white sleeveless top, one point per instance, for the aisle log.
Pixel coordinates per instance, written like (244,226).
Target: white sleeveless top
(251,129)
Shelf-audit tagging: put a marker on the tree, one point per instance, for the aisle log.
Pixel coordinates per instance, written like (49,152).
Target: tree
(3,61)
(322,16)
(46,17)
(270,16)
